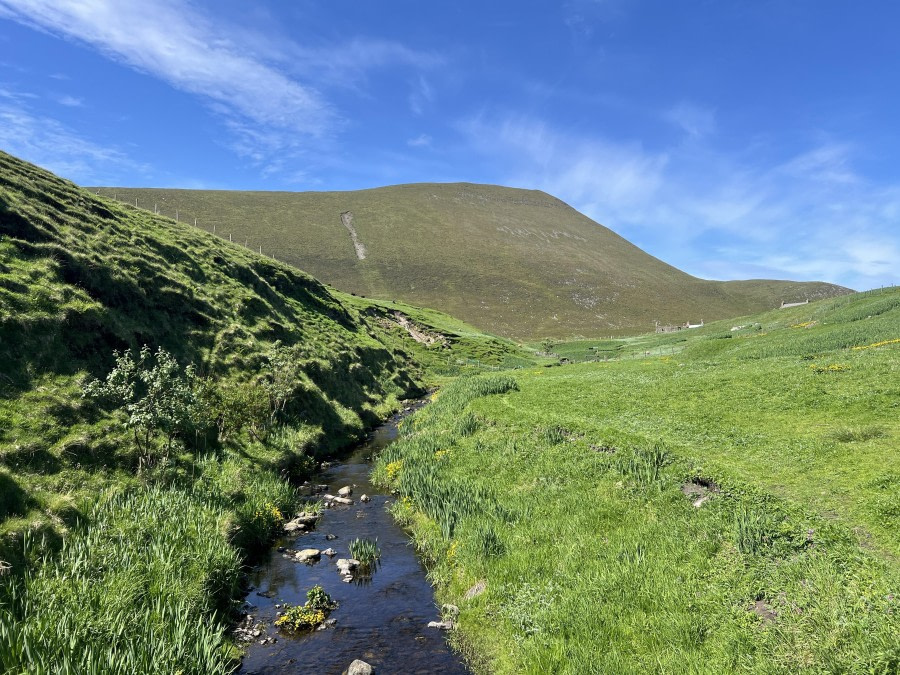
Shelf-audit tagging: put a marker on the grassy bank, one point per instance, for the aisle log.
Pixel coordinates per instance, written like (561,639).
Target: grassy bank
(450,346)
(726,503)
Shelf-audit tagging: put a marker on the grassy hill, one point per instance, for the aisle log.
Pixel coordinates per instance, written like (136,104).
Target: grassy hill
(128,505)
(513,262)
(725,499)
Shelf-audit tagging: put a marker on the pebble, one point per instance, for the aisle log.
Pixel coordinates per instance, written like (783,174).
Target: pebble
(359,667)
(308,555)
(443,625)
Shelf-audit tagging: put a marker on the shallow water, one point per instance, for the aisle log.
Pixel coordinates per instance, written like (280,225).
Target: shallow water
(382,621)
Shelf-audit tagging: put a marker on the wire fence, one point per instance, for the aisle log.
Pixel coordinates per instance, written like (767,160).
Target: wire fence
(210,227)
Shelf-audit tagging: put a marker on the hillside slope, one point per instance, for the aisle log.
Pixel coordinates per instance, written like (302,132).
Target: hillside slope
(125,516)
(514,262)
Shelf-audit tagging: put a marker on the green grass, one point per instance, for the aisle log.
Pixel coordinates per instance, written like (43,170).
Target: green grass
(518,263)
(569,490)
(573,499)
(134,593)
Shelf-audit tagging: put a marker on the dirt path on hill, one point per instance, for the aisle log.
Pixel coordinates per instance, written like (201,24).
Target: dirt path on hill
(347,220)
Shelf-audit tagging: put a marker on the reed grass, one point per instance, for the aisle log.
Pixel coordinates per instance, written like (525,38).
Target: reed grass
(147,587)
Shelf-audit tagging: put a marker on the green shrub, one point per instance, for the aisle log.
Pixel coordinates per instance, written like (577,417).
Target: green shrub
(317,598)
(156,393)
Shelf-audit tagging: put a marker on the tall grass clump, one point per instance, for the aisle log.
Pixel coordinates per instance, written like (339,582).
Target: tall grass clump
(552,435)
(643,466)
(486,542)
(366,551)
(258,500)
(755,528)
(858,435)
(146,588)
(446,501)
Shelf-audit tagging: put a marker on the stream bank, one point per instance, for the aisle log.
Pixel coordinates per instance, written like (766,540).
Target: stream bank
(382,620)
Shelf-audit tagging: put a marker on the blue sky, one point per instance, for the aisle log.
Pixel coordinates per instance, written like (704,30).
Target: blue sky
(733,139)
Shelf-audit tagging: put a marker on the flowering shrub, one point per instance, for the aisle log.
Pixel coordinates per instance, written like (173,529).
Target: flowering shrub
(269,514)
(309,615)
(300,617)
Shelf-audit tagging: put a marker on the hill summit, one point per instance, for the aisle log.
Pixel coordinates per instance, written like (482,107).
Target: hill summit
(519,263)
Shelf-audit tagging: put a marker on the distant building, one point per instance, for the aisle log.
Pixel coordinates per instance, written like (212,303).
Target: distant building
(793,304)
(674,329)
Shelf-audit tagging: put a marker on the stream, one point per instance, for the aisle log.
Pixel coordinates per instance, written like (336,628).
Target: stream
(382,621)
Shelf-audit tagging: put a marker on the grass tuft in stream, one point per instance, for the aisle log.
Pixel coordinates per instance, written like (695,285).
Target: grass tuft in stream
(366,551)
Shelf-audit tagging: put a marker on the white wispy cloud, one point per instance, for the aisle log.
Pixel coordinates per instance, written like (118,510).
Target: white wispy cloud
(178,44)
(70,101)
(583,16)
(269,90)
(421,96)
(694,120)
(48,143)
(346,64)
(420,141)
(15,95)
(809,216)
(590,172)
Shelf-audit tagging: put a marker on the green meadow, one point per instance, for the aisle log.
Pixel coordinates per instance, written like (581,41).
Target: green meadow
(728,503)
